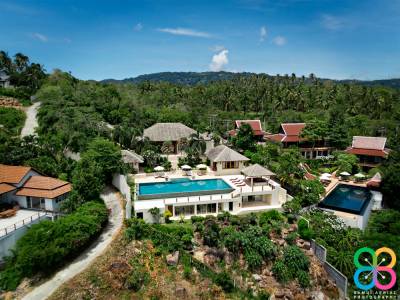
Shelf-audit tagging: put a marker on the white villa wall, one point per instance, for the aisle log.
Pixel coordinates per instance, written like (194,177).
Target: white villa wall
(21,200)
(120,181)
(221,171)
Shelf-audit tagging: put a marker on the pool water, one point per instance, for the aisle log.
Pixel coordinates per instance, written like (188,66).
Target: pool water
(182,187)
(347,198)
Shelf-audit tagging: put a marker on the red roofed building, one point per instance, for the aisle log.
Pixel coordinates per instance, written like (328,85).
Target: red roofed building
(290,135)
(254,124)
(370,150)
(28,189)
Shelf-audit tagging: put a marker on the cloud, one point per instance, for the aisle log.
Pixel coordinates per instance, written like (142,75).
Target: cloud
(217,48)
(263,33)
(138,27)
(331,22)
(40,37)
(185,31)
(219,60)
(279,40)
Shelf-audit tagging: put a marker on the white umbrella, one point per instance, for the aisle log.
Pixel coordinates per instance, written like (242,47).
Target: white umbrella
(159,168)
(186,167)
(359,175)
(325,176)
(345,173)
(201,166)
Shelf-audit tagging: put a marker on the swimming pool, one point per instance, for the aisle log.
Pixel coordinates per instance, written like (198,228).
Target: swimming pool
(347,198)
(182,187)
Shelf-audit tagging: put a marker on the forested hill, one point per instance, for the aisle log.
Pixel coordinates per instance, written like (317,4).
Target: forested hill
(192,78)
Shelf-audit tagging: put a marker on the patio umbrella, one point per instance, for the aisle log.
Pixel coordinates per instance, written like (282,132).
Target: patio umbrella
(159,168)
(186,167)
(345,173)
(201,166)
(359,175)
(325,176)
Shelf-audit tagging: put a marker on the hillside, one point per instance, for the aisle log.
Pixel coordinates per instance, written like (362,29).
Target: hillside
(192,78)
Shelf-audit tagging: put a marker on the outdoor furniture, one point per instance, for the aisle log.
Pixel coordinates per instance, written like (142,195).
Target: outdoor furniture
(159,170)
(8,213)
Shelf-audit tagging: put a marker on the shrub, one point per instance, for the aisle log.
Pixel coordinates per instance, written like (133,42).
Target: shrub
(280,271)
(291,238)
(307,234)
(304,279)
(137,229)
(253,259)
(137,278)
(196,219)
(224,281)
(295,260)
(48,245)
(268,216)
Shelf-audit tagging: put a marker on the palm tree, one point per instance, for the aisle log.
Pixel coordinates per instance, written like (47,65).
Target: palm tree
(197,144)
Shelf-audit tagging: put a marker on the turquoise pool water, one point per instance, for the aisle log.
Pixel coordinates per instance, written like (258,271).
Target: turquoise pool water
(347,198)
(182,187)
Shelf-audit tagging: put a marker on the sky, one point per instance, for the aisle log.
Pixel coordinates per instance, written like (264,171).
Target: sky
(338,39)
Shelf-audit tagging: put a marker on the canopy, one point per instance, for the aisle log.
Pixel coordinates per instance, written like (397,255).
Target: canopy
(186,167)
(201,166)
(256,171)
(159,168)
(377,177)
(359,175)
(325,176)
(345,173)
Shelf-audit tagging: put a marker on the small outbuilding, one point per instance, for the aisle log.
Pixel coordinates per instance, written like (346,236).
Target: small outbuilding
(257,174)
(132,159)
(226,161)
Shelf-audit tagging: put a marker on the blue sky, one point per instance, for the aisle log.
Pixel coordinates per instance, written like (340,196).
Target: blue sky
(118,39)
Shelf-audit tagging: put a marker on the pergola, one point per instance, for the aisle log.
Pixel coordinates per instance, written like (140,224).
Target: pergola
(256,171)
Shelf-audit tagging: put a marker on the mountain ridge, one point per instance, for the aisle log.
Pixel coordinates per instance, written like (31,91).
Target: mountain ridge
(193,78)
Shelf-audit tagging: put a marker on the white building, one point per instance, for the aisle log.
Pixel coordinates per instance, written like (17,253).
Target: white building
(250,190)
(28,189)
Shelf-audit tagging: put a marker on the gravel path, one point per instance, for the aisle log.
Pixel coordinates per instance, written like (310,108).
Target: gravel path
(31,120)
(110,197)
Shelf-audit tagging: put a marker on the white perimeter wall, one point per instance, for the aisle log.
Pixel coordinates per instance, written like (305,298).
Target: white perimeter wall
(120,181)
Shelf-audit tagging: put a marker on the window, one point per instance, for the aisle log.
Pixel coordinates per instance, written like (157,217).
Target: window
(139,215)
(207,208)
(230,165)
(230,206)
(184,210)
(220,207)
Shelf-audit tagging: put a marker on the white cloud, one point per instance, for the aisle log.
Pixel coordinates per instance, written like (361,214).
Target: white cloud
(185,31)
(40,37)
(138,27)
(217,48)
(279,40)
(331,22)
(219,60)
(263,33)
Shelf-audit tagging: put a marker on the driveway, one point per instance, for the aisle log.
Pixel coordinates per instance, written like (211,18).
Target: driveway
(31,120)
(112,201)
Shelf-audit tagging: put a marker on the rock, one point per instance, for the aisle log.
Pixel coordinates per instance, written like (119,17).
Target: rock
(317,295)
(172,259)
(279,294)
(181,293)
(257,277)
(281,242)
(119,266)
(307,245)
(229,258)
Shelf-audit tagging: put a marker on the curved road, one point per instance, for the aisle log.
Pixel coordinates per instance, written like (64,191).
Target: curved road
(111,199)
(31,121)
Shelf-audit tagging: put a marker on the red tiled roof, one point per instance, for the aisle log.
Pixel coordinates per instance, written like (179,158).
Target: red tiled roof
(254,124)
(46,187)
(293,128)
(309,176)
(275,137)
(369,142)
(368,152)
(12,174)
(5,188)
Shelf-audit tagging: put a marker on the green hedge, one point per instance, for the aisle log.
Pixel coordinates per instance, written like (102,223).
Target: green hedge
(48,245)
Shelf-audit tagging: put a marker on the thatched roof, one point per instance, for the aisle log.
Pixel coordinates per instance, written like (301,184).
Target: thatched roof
(256,171)
(163,132)
(224,153)
(131,157)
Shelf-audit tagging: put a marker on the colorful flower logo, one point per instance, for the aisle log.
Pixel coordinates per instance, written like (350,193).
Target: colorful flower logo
(377,270)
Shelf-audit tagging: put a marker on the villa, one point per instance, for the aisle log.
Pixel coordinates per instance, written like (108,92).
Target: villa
(4,79)
(132,159)
(26,188)
(290,135)
(168,132)
(371,151)
(239,191)
(255,125)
